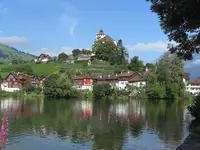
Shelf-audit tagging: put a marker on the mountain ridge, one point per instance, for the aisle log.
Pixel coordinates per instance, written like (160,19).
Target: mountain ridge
(9,53)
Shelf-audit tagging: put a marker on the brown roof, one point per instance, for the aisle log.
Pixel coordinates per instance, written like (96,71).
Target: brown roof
(109,77)
(79,78)
(136,78)
(43,56)
(100,32)
(83,77)
(23,78)
(195,81)
(107,38)
(126,74)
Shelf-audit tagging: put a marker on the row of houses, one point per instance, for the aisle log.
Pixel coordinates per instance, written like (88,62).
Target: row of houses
(15,81)
(121,81)
(118,80)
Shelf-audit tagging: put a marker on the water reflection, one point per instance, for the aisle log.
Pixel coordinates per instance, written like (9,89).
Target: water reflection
(86,125)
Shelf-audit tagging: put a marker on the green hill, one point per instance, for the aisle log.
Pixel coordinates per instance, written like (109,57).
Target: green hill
(7,54)
(96,68)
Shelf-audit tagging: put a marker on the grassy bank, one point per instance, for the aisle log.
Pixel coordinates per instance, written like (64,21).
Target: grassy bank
(97,67)
(4,94)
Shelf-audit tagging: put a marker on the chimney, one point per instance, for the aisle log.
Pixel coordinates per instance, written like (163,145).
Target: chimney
(128,72)
(116,75)
(100,76)
(109,76)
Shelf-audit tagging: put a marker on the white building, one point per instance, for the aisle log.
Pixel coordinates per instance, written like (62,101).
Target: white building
(193,86)
(44,58)
(102,36)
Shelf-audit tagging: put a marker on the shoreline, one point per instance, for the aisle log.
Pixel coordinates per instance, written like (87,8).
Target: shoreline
(192,141)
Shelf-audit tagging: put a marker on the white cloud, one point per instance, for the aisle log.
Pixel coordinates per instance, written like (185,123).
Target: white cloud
(66,49)
(192,63)
(13,40)
(44,49)
(2,9)
(159,46)
(69,18)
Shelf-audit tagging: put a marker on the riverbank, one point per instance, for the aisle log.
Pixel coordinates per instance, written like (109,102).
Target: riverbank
(192,141)
(4,94)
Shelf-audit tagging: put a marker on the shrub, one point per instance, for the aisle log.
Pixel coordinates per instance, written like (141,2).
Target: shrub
(102,90)
(195,108)
(59,86)
(28,88)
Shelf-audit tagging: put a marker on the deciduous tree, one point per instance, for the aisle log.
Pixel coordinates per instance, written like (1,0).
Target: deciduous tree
(180,20)
(136,64)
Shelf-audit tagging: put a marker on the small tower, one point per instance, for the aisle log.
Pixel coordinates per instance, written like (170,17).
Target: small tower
(100,34)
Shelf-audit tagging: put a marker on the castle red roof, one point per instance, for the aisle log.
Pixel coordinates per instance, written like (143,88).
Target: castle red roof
(195,81)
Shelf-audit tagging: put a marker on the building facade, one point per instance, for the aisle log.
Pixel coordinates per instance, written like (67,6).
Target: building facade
(15,82)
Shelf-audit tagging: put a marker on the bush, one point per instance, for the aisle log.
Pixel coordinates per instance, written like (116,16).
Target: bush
(102,90)
(195,108)
(59,86)
(28,88)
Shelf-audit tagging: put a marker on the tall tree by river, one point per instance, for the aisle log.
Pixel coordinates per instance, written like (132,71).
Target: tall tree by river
(180,20)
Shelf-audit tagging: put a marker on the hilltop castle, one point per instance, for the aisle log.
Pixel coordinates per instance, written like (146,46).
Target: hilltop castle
(105,37)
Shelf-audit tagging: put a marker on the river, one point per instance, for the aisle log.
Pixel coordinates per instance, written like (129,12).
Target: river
(84,125)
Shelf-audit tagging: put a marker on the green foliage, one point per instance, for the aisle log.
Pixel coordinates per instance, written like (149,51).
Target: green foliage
(77,52)
(62,57)
(108,51)
(150,66)
(25,69)
(43,70)
(195,108)
(166,81)
(180,20)
(28,89)
(102,90)
(59,86)
(136,64)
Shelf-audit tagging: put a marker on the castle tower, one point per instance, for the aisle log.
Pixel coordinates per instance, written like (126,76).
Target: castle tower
(100,34)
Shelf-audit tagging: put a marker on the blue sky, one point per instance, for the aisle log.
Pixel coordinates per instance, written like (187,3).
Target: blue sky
(54,26)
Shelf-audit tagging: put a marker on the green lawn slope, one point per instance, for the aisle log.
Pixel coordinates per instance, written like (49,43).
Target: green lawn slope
(96,68)
(7,54)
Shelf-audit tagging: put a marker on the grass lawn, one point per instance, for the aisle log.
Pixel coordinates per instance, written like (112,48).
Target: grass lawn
(97,68)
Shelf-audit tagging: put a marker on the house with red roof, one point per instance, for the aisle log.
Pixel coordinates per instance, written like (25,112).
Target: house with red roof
(123,79)
(44,58)
(15,81)
(83,82)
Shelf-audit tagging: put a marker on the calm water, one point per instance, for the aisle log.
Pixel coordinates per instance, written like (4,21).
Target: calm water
(82,125)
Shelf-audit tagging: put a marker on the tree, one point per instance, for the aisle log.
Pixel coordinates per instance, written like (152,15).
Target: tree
(105,50)
(180,20)
(59,86)
(123,53)
(166,81)
(102,90)
(150,66)
(62,57)
(86,52)
(136,64)
(76,52)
